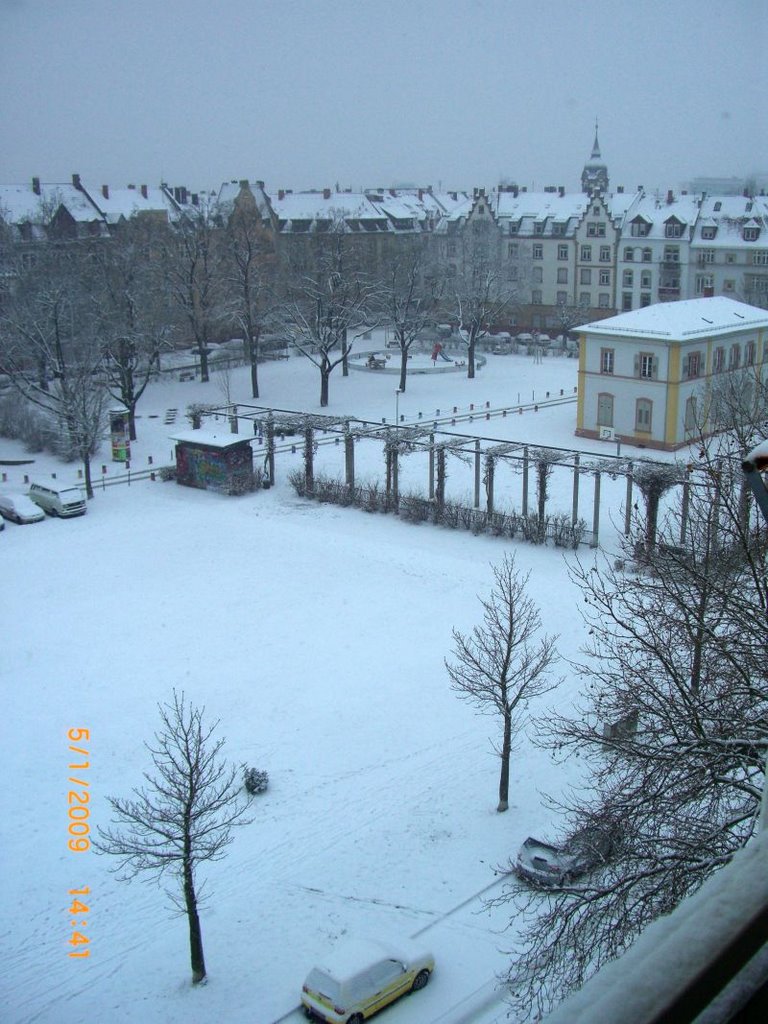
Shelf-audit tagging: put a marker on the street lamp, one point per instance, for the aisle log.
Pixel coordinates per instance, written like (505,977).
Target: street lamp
(397,405)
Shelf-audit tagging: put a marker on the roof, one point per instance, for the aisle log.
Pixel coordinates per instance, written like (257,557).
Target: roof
(20,203)
(683,321)
(210,439)
(125,202)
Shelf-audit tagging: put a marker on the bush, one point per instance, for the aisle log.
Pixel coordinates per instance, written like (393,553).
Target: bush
(255,780)
(167,473)
(246,483)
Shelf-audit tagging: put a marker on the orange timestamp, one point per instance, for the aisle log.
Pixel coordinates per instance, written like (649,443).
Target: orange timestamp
(81,909)
(78,799)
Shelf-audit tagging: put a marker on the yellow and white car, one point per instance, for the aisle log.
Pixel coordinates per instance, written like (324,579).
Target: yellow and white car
(361,977)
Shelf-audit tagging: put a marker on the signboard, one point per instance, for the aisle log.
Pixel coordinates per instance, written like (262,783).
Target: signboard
(120,435)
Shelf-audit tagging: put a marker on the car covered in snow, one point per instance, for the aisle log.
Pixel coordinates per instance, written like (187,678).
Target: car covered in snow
(18,508)
(552,866)
(361,977)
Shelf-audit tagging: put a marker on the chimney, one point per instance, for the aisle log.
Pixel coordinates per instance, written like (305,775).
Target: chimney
(195,199)
(620,190)
(243,183)
(421,194)
(515,191)
(144,192)
(105,191)
(392,192)
(132,186)
(561,190)
(76,181)
(281,194)
(184,196)
(670,196)
(326,193)
(260,184)
(36,186)
(640,188)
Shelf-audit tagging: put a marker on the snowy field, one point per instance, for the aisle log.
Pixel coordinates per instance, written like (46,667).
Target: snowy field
(317,636)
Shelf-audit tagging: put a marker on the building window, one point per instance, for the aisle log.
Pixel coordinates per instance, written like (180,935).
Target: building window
(536,297)
(645,299)
(626,301)
(512,250)
(671,253)
(673,229)
(562,298)
(734,357)
(707,256)
(718,360)
(646,366)
(537,275)
(604,410)
(605,278)
(760,258)
(749,354)
(645,279)
(729,285)
(596,229)
(538,251)
(562,275)
(708,233)
(604,300)
(640,228)
(704,282)
(606,361)
(692,365)
(627,279)
(730,257)
(751,234)
(585,299)
(586,254)
(643,414)
(647,256)
(585,276)
(514,227)
(605,254)
(629,254)
(562,252)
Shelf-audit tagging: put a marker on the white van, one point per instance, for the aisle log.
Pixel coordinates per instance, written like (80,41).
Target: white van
(59,499)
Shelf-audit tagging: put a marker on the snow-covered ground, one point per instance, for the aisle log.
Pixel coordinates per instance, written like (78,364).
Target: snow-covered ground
(317,636)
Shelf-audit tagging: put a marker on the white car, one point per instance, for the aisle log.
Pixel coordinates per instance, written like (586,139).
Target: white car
(361,977)
(18,508)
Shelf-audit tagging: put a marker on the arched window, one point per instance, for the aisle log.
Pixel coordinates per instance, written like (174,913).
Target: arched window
(643,415)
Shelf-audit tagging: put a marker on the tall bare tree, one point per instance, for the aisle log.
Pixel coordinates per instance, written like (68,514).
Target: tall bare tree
(182,818)
(504,662)
(330,306)
(51,350)
(409,295)
(251,277)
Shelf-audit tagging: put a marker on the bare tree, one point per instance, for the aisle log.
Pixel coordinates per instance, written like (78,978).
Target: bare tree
(251,258)
(503,663)
(194,261)
(409,296)
(182,818)
(132,311)
(51,350)
(479,296)
(673,728)
(329,308)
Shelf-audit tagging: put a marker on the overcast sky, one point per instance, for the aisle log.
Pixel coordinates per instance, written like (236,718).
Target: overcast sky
(311,93)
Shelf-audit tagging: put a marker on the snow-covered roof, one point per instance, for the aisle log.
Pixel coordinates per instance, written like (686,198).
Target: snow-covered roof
(656,211)
(19,203)
(683,321)
(125,202)
(325,206)
(209,438)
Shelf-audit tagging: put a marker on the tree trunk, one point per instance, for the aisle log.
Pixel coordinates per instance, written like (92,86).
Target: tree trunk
(471,354)
(87,474)
(506,747)
(344,355)
(195,933)
(253,361)
(324,380)
(403,367)
(204,376)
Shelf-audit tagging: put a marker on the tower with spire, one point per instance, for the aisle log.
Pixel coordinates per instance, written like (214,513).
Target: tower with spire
(594,177)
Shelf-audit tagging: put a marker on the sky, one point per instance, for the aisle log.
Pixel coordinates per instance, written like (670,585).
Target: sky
(315,93)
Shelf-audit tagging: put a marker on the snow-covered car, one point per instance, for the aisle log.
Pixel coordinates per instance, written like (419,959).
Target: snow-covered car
(547,865)
(18,508)
(361,977)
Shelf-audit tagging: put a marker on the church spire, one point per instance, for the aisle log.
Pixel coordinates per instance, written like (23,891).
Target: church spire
(596,146)
(594,177)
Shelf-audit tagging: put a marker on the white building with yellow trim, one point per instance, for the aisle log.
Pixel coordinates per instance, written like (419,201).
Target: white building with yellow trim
(645,376)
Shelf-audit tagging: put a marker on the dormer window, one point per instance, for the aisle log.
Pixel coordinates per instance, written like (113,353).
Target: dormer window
(673,228)
(751,234)
(538,227)
(708,233)
(514,227)
(640,228)
(718,207)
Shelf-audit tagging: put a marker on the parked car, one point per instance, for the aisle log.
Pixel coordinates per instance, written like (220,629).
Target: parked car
(18,508)
(551,866)
(59,499)
(361,977)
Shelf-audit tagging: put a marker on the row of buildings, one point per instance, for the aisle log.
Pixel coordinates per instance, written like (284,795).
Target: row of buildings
(565,258)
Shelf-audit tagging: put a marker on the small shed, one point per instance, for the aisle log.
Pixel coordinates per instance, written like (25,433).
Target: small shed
(214,462)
